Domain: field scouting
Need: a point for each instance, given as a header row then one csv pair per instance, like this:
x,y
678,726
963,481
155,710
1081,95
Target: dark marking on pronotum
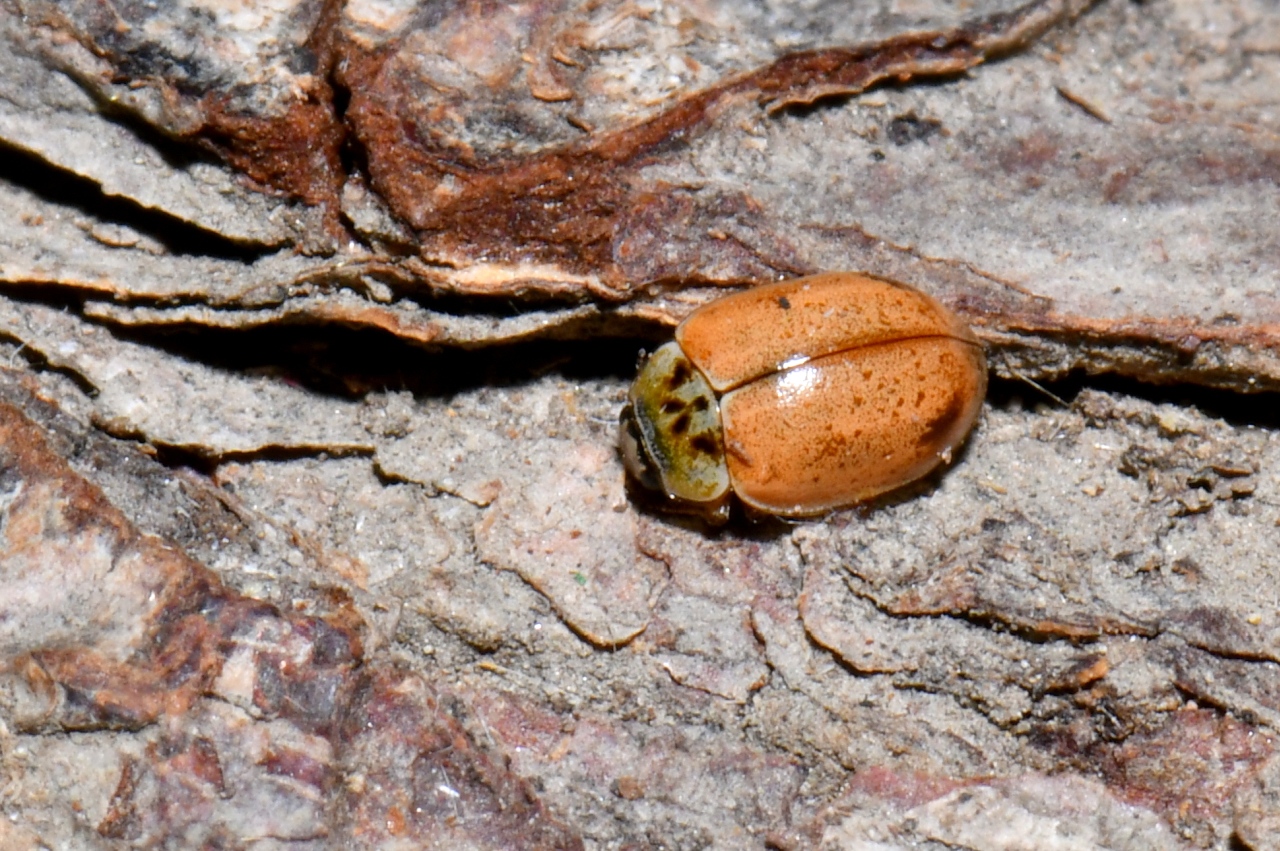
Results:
x,y
681,424
705,444
672,406
681,372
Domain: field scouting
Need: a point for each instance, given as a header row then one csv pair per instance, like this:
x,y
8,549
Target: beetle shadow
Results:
x,y
747,524
742,522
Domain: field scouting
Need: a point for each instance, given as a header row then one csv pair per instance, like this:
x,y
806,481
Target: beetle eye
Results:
x,y
635,456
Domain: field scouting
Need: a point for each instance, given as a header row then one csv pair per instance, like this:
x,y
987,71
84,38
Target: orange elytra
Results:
x,y
802,397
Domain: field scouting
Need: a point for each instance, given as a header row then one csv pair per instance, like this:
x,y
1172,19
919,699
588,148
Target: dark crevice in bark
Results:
x,y
1258,410
178,237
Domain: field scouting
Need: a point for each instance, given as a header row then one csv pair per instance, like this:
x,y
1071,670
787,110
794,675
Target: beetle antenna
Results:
x,y
1031,381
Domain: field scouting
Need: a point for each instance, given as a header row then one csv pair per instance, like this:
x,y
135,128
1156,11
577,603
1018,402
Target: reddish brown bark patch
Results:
x,y
296,153
563,205
424,779
1189,769
258,97
246,716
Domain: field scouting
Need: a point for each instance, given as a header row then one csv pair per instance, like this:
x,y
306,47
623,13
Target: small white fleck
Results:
x,y
793,361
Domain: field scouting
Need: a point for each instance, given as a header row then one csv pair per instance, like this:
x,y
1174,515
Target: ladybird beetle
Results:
x,y
802,397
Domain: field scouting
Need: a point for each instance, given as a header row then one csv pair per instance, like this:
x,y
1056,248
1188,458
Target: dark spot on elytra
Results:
x,y
705,443
784,302
942,423
680,374
833,447
681,424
